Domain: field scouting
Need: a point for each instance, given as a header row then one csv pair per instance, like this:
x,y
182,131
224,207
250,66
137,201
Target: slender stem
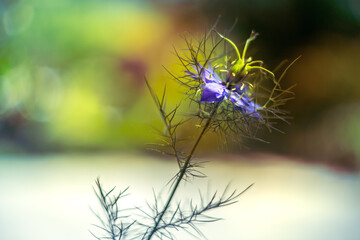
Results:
x,y
182,173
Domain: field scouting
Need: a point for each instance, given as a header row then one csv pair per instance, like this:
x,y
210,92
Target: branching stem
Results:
x,y
182,173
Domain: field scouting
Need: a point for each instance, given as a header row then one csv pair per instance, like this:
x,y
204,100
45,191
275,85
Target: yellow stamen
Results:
x,y
242,86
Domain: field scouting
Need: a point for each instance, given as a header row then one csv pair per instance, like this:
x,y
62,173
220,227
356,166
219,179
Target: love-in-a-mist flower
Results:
x,y
237,93
215,90
231,83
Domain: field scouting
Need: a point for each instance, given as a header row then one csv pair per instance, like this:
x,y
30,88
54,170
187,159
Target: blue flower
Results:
x,y
215,90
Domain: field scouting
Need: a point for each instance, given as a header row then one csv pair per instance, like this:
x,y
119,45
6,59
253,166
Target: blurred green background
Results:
x,y
74,106
72,72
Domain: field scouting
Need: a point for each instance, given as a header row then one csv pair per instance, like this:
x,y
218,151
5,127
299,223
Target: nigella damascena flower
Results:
x,y
214,90
238,94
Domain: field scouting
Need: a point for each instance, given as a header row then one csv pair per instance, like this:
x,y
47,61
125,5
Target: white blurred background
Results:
x,y
50,197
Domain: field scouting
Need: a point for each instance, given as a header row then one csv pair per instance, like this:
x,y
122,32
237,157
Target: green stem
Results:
x,y
182,173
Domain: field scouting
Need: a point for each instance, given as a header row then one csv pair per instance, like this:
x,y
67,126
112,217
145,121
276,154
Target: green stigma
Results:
x,y
242,66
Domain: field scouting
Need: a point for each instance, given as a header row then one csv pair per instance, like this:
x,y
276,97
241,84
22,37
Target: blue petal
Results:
x,y
213,92
245,105
239,90
209,76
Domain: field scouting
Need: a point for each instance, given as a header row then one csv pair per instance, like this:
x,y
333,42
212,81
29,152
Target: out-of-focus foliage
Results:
x,y
71,72
77,68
